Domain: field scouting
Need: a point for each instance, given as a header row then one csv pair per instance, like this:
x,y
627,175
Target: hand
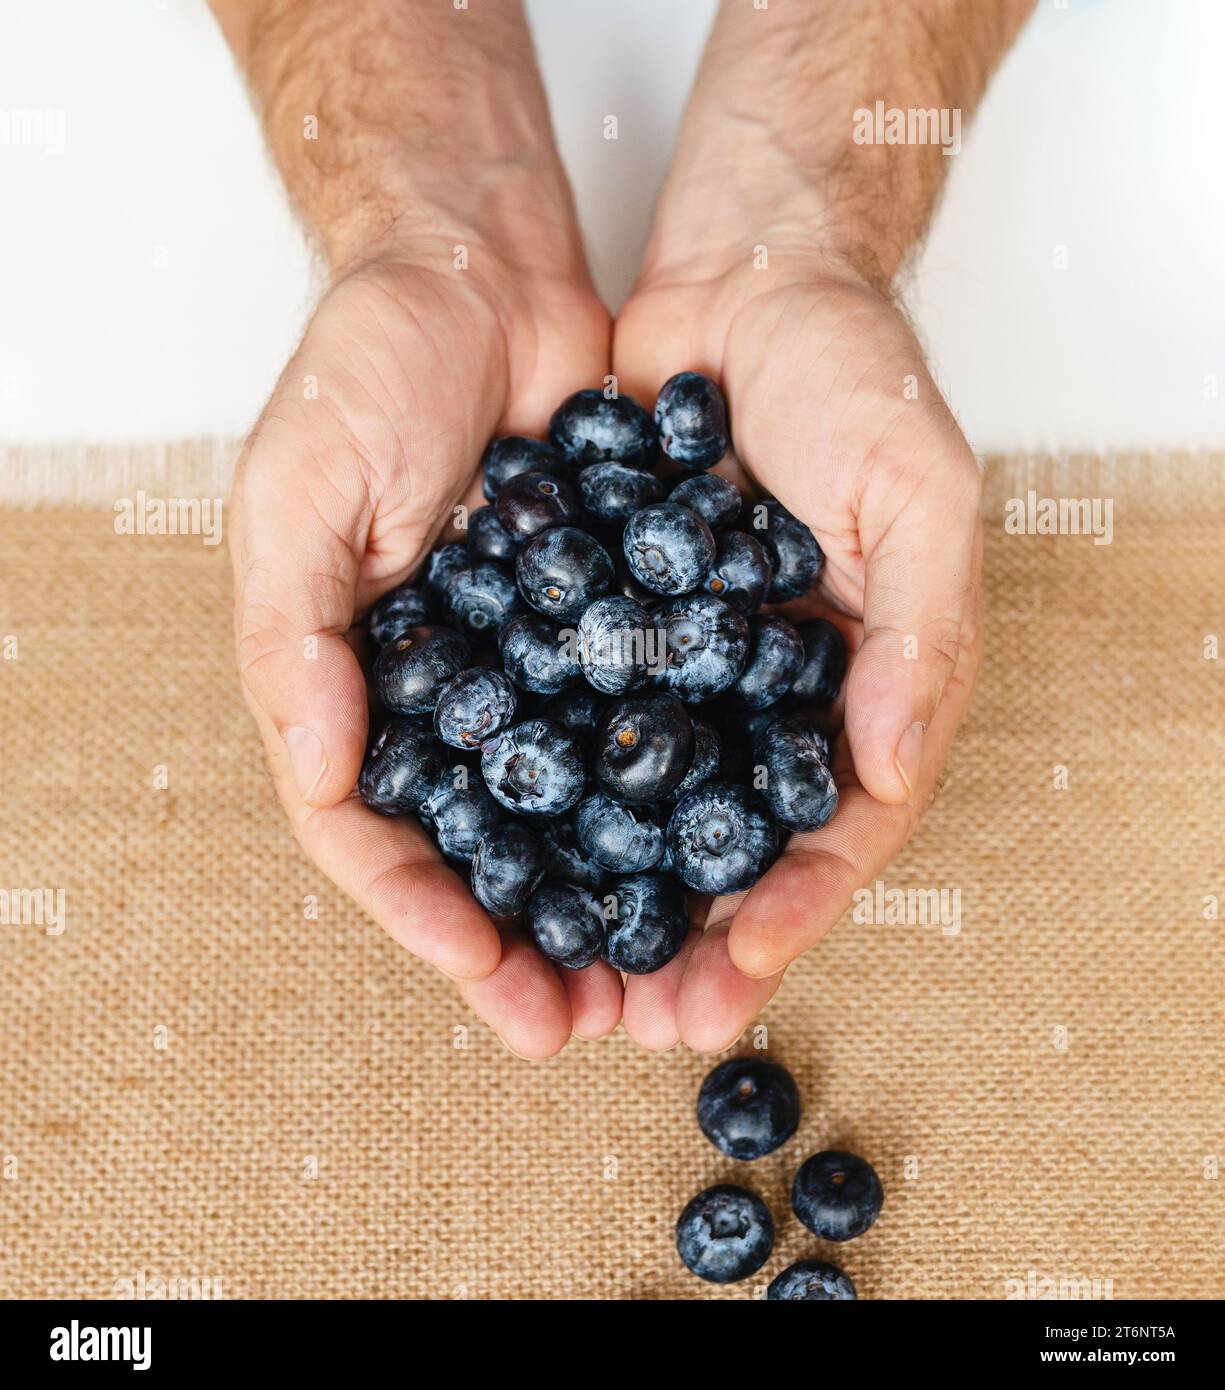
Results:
x,y
373,434
833,412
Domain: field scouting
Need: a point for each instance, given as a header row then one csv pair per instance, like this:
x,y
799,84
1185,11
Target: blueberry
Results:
x,y
488,539
665,863
836,1195
811,1281
532,502
561,571
798,785
748,1107
507,864
511,455
668,548
643,748
589,427
741,573
400,768
565,857
714,499
673,475
793,548
398,610
443,563
578,712
725,1234
613,492
622,839
480,598
474,706
537,656
707,756
776,654
534,768
706,644
461,811
755,724
820,677
616,644
649,924
691,416
410,672
567,925
722,839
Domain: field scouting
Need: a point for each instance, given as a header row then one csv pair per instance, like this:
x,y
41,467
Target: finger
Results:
x,y
649,1008
595,995
523,1001
919,527
569,352
295,564
389,866
805,893
716,1002
649,347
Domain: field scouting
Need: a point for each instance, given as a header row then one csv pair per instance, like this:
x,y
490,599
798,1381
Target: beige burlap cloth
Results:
x,y
197,1082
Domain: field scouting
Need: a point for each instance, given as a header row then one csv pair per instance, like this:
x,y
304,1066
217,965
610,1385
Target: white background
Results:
x,y
152,280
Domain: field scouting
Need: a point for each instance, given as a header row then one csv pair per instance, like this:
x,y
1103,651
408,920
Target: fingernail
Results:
x,y
909,752
521,1056
305,757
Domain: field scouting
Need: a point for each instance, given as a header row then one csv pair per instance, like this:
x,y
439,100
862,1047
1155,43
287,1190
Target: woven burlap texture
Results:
x,y
197,1081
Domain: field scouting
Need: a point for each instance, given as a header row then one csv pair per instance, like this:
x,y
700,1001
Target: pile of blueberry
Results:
x,y
585,703
747,1108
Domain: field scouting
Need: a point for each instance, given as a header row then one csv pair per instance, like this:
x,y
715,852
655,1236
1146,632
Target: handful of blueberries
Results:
x,y
747,1108
586,706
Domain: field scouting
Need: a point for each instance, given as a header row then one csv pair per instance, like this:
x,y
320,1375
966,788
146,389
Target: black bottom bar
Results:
x,y
313,1339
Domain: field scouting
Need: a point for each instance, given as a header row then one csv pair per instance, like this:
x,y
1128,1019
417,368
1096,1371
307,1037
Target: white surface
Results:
x,y
152,280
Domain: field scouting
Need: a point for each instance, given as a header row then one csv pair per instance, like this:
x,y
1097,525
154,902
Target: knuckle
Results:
x,y
942,640
261,640
267,630
383,887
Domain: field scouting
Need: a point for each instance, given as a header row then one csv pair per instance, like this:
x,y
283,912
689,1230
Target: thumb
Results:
x,y
918,601
296,565
648,348
918,597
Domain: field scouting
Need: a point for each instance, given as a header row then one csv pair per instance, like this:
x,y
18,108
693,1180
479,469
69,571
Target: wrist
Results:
x,y
778,233
404,126
488,220
773,150
741,195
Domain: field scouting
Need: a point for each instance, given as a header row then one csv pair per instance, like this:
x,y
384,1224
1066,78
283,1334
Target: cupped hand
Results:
x,y
833,412
373,434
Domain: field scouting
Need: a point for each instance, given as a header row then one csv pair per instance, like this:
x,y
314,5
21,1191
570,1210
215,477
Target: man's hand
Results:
x,y
775,244
834,414
418,354
338,498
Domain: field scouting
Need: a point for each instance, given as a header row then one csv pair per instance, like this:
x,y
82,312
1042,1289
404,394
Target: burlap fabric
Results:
x,y
197,1082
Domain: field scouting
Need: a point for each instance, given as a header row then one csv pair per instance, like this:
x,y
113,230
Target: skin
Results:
x,y
433,133
814,358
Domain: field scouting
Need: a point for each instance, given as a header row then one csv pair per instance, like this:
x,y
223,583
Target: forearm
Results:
x,y
399,122
770,136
